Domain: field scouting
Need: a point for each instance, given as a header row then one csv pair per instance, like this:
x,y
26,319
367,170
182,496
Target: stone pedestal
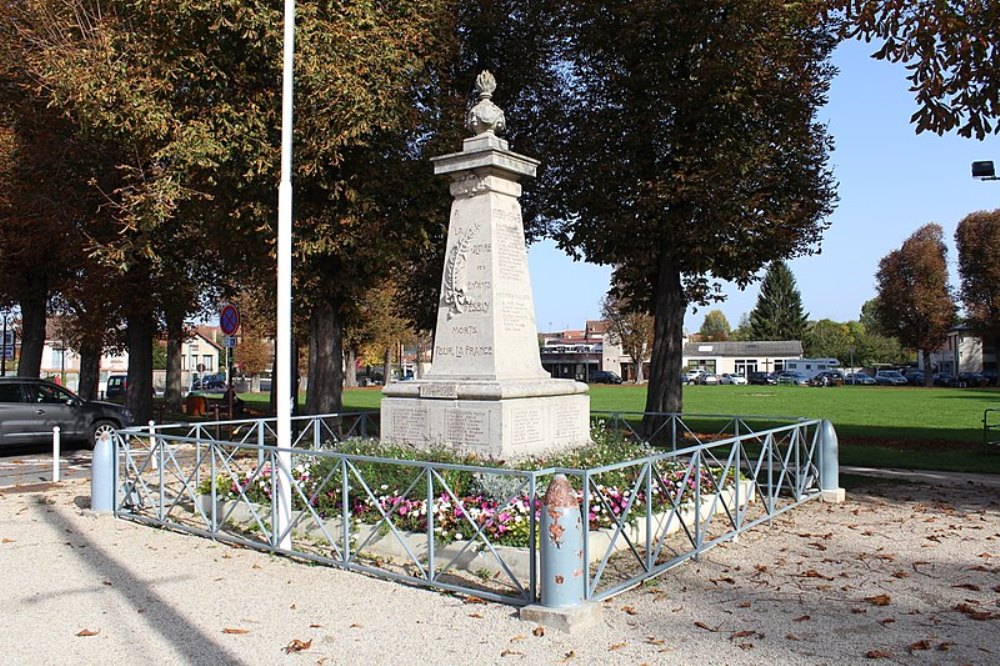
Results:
x,y
486,391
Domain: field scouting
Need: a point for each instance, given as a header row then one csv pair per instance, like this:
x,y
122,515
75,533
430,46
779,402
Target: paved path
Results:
x,y
927,476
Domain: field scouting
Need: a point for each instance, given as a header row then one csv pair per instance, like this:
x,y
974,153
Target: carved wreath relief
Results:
x,y
456,276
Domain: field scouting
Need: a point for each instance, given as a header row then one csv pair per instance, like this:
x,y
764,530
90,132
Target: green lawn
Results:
x,y
915,428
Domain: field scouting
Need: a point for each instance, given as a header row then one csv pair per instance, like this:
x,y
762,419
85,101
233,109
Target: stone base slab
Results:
x,y
507,429
835,496
571,620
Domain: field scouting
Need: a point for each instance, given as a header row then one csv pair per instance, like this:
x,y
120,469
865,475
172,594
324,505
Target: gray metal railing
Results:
x,y
641,516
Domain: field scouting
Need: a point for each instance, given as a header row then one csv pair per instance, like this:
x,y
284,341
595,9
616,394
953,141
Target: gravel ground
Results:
x,y
901,572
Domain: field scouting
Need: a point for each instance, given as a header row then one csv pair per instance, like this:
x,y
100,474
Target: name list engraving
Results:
x,y
409,424
467,427
526,427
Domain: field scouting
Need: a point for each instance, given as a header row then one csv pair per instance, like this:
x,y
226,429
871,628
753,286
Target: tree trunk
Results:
x,y
351,368
324,388
33,301
387,365
663,395
175,341
139,337
638,371
90,370
928,373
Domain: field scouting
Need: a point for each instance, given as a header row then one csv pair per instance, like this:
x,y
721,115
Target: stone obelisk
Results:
x,y
486,392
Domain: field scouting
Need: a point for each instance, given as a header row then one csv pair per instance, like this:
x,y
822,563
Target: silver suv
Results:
x,y
890,378
30,408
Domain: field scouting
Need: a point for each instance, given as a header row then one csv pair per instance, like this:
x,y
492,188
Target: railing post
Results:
x,y
102,491
56,445
563,576
154,462
829,464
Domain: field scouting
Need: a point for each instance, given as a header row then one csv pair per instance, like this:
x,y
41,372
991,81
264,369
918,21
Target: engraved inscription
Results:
x,y
515,315
439,390
467,427
511,255
409,424
462,351
526,427
567,423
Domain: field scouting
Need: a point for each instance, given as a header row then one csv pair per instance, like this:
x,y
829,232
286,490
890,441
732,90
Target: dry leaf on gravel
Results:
x,y
702,625
87,632
900,574
812,573
944,647
508,652
746,633
968,586
878,654
538,631
235,630
974,613
630,610
919,646
476,616
616,646
6,540
569,655
653,640
802,618
879,600
792,637
295,645
743,604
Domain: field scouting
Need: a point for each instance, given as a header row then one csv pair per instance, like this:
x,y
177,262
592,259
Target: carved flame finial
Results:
x,y
486,117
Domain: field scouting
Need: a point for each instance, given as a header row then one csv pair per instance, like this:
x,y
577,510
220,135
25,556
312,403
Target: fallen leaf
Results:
x,y
617,646
726,579
919,646
6,540
315,626
88,632
518,638
508,652
968,586
974,613
746,633
879,600
295,645
745,646
900,574
802,618
944,647
702,625
355,625
231,630
106,582
538,631
792,637
292,607
878,654
887,621
630,610
569,655
812,573
653,640
476,616
743,604
858,611
473,600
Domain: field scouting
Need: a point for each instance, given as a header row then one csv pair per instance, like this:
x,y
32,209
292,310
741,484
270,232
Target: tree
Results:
x,y
688,151
829,339
715,328
949,49
977,239
631,329
742,332
914,298
778,313
870,313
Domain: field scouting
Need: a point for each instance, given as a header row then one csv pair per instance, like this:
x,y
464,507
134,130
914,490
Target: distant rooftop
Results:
x,y
750,348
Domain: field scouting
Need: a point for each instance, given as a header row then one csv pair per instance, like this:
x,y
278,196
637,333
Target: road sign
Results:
x,y
229,319
229,341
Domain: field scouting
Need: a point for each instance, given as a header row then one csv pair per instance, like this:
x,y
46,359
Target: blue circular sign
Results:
x,y
229,319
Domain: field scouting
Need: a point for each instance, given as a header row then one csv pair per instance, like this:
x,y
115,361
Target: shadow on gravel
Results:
x,y
190,641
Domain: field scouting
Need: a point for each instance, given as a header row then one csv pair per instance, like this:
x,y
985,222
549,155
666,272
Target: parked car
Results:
x,y
733,379
210,383
859,378
116,387
30,408
705,377
793,378
991,376
945,379
605,377
915,377
827,378
762,378
973,379
890,378
691,376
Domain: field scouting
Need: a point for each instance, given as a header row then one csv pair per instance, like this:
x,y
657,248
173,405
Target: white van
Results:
x,y
811,366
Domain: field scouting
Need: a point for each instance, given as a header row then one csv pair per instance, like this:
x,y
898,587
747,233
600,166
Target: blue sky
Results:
x,y
891,181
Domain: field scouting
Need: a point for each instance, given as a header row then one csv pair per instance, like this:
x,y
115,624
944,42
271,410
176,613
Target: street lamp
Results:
x,y
984,170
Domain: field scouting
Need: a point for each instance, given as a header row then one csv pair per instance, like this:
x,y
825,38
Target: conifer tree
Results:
x,y
778,314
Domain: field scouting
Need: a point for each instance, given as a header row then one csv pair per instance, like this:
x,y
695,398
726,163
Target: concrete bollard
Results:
x,y
102,472
562,546
562,572
56,452
829,464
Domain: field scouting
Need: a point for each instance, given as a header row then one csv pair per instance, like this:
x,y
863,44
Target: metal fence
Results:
x,y
470,529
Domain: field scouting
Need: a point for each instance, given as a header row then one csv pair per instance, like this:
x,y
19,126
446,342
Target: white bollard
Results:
x,y
154,462
56,445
